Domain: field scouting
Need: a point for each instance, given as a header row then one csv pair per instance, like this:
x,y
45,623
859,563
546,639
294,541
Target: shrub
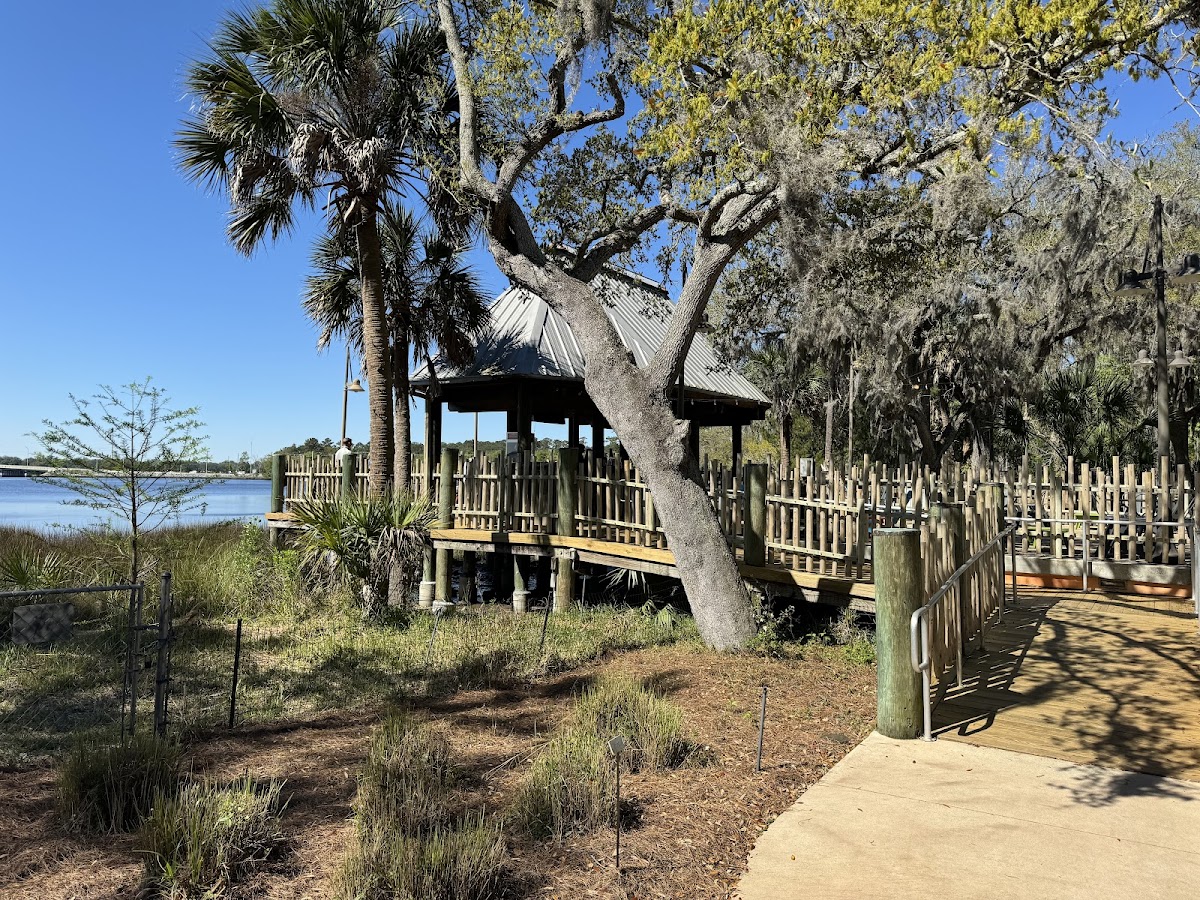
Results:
x,y
112,788
405,784
652,727
460,862
209,836
408,842
570,785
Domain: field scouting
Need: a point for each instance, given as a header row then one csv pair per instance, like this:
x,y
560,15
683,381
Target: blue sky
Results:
x,y
112,267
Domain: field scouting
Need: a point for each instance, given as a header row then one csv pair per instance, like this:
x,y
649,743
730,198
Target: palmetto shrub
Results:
x,y
111,788
363,540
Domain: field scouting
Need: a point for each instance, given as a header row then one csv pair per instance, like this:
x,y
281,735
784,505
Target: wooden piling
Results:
x,y
896,557
278,476
754,515
467,579
568,494
348,470
445,558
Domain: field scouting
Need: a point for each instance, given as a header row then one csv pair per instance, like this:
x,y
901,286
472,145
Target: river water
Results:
x,y
30,504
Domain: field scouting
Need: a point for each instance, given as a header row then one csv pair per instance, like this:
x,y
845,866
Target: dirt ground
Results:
x,y
692,828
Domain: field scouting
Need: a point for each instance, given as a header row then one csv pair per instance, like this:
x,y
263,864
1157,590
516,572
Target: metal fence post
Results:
x,y
237,662
162,676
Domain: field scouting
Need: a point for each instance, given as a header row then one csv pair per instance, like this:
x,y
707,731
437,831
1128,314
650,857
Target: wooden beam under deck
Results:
x,y
807,586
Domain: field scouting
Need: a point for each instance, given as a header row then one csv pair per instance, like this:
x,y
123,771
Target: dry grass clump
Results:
x,y
409,840
209,836
111,788
571,783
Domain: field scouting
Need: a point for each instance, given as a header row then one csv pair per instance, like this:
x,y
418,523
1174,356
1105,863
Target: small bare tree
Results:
x,y
119,455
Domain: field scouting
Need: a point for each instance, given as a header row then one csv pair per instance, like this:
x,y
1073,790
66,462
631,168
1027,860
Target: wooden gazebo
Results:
x,y
531,368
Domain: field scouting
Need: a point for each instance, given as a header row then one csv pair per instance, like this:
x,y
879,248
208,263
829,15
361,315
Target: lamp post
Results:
x,y
347,387
1155,282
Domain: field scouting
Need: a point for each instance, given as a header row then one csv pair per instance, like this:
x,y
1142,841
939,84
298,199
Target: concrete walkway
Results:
x,y
901,819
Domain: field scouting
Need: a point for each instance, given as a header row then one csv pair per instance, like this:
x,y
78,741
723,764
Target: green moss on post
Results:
x,y
896,557
754,515
445,559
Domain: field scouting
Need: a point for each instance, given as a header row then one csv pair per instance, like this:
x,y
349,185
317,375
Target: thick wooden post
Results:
x,y
466,578
431,452
278,478
445,558
520,594
897,561
348,468
736,433
754,515
597,438
568,496
572,431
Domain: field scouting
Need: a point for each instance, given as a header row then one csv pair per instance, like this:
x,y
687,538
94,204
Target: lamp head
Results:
x,y
1179,361
1134,284
1189,272
355,387
1143,361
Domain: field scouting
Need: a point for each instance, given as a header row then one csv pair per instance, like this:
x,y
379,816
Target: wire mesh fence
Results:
x,y
82,663
70,664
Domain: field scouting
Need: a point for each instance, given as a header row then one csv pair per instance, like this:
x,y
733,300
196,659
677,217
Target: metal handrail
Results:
x,y
918,626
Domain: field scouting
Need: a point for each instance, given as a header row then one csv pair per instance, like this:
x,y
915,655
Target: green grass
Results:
x,y
112,788
201,841
410,840
306,649
570,785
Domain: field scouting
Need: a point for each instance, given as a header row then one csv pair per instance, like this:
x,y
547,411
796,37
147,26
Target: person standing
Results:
x,y
343,452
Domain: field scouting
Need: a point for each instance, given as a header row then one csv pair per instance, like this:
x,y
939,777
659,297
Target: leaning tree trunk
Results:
x,y
376,355
657,444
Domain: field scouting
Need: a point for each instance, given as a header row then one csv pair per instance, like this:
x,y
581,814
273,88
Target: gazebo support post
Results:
x,y
736,434
572,432
694,441
432,454
597,438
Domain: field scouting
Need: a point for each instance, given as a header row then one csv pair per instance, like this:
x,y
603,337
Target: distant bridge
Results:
x,y
30,471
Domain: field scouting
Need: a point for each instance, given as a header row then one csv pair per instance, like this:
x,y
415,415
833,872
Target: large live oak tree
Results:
x,y
618,129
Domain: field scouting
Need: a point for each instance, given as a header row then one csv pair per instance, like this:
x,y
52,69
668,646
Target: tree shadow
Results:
x,y
1099,680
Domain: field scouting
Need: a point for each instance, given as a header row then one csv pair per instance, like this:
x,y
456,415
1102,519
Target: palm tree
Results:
x,y
303,99
433,299
363,541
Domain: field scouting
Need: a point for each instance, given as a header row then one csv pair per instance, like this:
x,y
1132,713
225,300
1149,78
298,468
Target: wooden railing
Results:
x,y
816,521
954,536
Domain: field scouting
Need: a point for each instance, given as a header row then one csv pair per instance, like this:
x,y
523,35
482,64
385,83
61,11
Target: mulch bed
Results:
x,y
693,827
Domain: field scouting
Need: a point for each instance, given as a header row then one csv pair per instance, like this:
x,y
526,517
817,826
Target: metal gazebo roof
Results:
x,y
530,340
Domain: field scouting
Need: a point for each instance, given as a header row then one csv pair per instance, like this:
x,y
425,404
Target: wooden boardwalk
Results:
x,y
1105,679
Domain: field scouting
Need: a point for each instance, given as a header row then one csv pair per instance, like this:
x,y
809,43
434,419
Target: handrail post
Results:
x,y
898,595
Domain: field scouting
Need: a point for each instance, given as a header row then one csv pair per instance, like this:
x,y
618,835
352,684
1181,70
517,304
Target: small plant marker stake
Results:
x,y
615,746
237,661
762,721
